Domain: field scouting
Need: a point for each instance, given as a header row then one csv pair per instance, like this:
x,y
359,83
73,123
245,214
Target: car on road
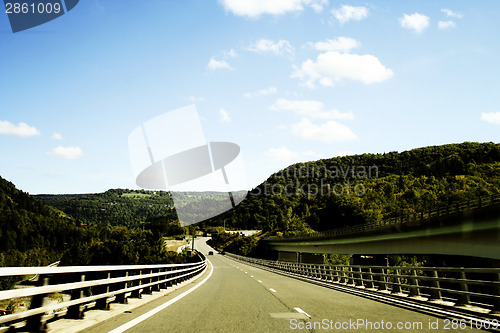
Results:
x,y
210,253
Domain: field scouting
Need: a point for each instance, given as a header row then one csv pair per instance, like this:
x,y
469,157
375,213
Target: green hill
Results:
x,y
34,234
349,190
31,233
115,207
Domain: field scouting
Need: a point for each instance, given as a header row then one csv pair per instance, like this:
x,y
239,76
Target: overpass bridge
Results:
x,y
470,228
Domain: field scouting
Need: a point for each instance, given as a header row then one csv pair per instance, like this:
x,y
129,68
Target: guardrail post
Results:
x,y
329,276
360,282
76,311
382,280
345,275
170,275
435,293
335,274
370,279
158,285
351,276
37,323
148,290
496,301
162,285
414,289
396,289
463,298
123,297
137,293
103,303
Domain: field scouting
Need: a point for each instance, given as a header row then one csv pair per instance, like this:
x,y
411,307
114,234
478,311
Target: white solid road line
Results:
x,y
148,314
299,310
272,290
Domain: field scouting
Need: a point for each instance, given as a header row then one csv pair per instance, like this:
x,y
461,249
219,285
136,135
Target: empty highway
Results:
x,y
236,297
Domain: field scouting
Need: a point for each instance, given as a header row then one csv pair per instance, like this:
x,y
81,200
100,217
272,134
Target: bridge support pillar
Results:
x,y
289,256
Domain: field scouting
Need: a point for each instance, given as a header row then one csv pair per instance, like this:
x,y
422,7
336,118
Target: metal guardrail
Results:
x,y
415,219
465,287
88,287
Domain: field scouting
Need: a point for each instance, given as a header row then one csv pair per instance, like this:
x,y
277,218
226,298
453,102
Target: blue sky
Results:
x,y
288,81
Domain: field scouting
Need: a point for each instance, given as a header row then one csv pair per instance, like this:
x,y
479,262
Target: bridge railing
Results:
x,y
421,218
465,287
83,287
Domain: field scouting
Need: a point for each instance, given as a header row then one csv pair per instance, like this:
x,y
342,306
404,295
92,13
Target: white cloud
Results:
x,y
416,22
262,92
70,153
21,130
348,13
330,131
268,46
57,136
443,25
317,5
450,13
255,8
216,64
282,154
310,109
224,116
340,44
491,117
333,67
230,54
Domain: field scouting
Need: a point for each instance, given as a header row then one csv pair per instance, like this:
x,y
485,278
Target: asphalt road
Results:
x,y
241,298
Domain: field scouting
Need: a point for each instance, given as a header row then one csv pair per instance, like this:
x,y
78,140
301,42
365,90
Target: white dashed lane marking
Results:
x,y
299,310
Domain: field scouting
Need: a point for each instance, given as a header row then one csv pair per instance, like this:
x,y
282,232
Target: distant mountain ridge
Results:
x,y
328,194
115,207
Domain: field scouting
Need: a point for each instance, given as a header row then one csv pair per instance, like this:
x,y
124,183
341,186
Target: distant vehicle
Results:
x,y
210,253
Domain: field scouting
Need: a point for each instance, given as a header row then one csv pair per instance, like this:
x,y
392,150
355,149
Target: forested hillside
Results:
x,y
115,207
341,191
30,232
34,234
